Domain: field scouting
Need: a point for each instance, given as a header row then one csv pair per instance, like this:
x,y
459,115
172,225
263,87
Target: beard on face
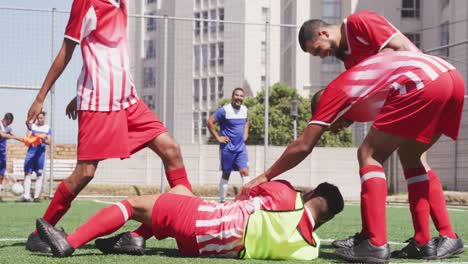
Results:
x,y
339,52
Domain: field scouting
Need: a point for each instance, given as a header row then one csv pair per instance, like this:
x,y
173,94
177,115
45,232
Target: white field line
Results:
x,y
463,209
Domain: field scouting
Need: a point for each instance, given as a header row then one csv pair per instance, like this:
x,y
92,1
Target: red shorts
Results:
x,y
421,114
116,134
175,216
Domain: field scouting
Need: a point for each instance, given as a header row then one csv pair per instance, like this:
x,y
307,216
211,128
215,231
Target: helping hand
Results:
x,y
245,192
34,111
71,111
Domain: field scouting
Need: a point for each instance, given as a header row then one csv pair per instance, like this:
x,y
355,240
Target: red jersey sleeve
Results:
x,y
333,103
371,29
277,195
75,22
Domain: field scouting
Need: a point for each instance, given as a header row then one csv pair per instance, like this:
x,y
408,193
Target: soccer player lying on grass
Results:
x,y
413,99
281,218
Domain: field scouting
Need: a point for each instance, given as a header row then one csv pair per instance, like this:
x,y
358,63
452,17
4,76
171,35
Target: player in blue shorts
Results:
x,y
35,158
5,134
234,131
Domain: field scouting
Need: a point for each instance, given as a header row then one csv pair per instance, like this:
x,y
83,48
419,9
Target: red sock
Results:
x,y
143,231
104,222
439,212
418,196
59,205
178,177
373,198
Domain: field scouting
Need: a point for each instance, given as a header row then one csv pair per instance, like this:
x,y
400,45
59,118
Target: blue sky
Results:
x,y
26,57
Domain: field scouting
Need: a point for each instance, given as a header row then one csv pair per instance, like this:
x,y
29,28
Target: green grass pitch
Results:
x,y
17,220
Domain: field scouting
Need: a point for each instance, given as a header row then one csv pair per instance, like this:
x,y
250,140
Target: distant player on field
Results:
x,y
112,121
234,131
359,36
413,99
35,158
275,223
5,134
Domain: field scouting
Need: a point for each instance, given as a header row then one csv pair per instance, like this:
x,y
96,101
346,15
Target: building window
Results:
x,y
196,92
205,56
149,78
151,23
213,20
197,4
221,53
444,39
197,24
415,38
221,18
149,101
196,57
205,22
265,11
220,87
204,123
410,8
196,124
212,55
330,60
204,90
151,1
150,49
213,89
331,11
263,81
263,53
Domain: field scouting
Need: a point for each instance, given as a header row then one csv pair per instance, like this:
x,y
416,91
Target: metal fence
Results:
x,y
182,67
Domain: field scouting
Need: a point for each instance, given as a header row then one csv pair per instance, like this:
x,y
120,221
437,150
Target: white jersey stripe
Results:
x,y
214,222
221,235
220,247
366,75
412,76
445,63
414,63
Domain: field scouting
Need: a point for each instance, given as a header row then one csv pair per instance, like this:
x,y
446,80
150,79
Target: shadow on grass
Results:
x,y
168,252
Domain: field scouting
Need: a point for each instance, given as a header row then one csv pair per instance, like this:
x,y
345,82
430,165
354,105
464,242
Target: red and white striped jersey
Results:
x,y
220,227
105,83
367,33
360,92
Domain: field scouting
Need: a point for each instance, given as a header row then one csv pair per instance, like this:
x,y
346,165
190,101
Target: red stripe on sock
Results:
x,y
104,222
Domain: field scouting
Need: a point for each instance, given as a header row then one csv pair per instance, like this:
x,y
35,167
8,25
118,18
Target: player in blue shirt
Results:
x,y
234,131
35,158
5,134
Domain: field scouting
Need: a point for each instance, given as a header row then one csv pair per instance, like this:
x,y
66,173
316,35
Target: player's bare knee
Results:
x,y
172,151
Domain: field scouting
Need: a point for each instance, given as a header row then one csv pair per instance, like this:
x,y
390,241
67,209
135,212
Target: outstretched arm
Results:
x,y
61,60
294,154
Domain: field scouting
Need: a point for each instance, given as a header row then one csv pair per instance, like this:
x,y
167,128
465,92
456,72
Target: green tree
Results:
x,y
280,129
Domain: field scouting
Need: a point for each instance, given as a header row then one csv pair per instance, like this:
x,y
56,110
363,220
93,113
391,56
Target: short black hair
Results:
x,y
309,30
237,89
9,116
332,195
42,113
315,100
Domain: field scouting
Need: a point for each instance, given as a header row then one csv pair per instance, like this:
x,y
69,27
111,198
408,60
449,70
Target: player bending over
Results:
x,y
283,219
